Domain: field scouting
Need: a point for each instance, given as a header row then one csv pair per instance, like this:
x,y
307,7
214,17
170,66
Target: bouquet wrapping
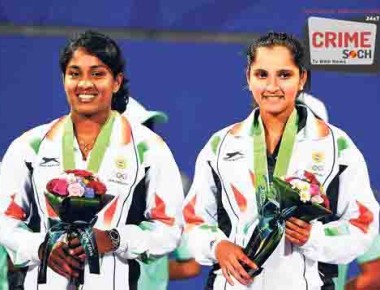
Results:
x,y
299,196
75,198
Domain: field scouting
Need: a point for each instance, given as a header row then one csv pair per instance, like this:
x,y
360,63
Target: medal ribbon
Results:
x,y
97,153
263,186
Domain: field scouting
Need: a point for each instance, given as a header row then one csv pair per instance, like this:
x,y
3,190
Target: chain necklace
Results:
x,y
86,146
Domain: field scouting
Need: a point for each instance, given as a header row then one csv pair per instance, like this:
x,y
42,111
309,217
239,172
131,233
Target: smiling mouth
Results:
x,y
85,98
273,96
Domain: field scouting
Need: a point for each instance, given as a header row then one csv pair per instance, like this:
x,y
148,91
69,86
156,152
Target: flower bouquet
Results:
x,y
299,196
74,199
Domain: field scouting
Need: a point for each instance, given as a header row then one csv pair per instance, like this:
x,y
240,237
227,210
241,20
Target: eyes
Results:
x,y
94,74
72,74
282,74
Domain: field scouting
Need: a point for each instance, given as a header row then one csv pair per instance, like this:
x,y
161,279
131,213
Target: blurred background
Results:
x,y
186,58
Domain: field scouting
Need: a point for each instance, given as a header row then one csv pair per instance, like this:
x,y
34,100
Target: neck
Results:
x,y
87,129
88,126
274,126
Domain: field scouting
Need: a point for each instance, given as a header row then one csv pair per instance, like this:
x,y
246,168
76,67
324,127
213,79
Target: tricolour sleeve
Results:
x,y
372,254
341,241
182,252
15,202
160,233
200,210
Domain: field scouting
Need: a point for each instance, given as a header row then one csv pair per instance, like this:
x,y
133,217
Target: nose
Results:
x,y
85,84
272,85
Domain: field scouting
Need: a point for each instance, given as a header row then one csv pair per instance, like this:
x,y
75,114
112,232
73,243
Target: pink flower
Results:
x,y
58,187
317,199
75,189
314,189
50,185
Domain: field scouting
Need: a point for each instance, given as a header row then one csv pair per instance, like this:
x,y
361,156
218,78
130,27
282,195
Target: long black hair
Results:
x,y
108,52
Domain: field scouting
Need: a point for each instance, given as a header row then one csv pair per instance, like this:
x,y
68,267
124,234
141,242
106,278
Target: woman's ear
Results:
x,y
248,77
303,80
118,82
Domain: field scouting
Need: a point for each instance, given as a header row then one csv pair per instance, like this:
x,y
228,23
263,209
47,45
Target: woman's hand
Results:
x,y
230,258
297,231
76,249
67,260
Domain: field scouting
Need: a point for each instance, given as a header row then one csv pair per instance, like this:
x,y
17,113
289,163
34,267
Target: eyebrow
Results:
x,y
279,71
287,71
92,67
260,70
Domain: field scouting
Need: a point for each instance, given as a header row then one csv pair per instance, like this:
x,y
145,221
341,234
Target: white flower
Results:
x,y
63,175
305,195
71,178
303,186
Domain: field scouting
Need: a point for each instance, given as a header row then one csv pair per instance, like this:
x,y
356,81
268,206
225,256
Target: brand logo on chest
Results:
x,y
233,156
49,162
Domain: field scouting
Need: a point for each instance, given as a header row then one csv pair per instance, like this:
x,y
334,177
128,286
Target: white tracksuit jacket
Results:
x,y
138,169
222,204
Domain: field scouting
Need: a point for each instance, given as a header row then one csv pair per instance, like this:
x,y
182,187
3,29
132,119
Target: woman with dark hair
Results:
x,y
108,52
138,169
234,174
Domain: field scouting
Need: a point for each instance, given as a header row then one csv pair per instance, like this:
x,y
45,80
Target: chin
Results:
x,y
273,110
87,111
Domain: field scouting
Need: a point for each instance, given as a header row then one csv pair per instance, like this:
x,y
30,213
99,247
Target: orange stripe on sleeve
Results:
x,y
240,199
110,212
364,220
189,213
15,211
159,212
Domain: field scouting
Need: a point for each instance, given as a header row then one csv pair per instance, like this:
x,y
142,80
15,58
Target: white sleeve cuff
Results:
x,y
133,241
313,245
27,252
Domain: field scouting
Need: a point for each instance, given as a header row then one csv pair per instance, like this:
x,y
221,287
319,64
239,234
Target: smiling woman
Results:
x,y
275,80
93,138
92,68
89,84
231,198
104,60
